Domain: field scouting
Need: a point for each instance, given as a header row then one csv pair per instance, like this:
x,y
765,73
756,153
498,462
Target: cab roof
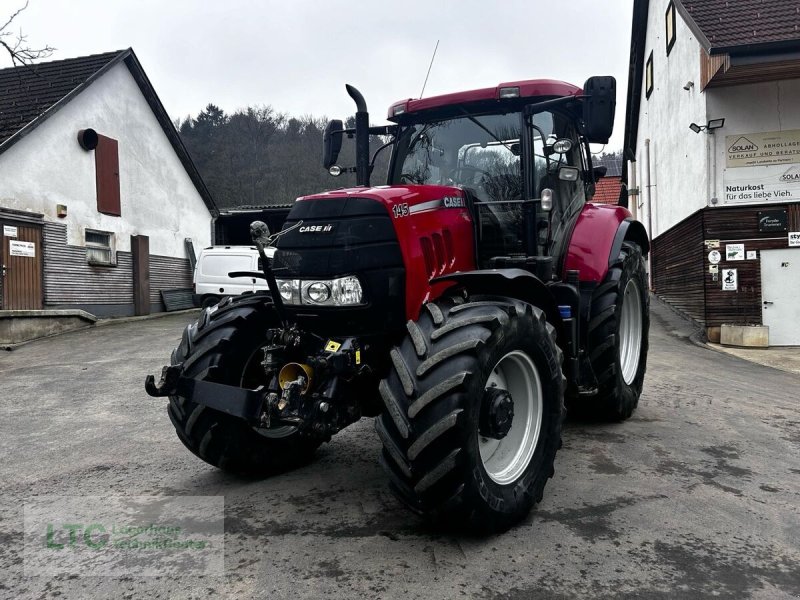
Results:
x,y
528,88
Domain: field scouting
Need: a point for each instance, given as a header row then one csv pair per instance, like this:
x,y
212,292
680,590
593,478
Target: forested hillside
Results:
x,y
259,157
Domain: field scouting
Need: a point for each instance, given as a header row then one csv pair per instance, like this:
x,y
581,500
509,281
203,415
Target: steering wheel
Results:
x,y
457,175
409,178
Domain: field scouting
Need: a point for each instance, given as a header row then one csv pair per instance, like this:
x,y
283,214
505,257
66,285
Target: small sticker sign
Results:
x,y
9,231
713,269
730,280
27,249
712,244
714,257
794,238
734,251
752,254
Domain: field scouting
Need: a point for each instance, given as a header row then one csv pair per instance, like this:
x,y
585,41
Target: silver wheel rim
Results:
x,y
506,459
630,332
271,432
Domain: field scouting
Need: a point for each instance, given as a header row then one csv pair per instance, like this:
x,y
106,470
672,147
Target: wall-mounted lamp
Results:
x,y
689,85
709,127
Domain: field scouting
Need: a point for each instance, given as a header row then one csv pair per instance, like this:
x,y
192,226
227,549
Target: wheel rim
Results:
x,y
630,332
506,459
252,376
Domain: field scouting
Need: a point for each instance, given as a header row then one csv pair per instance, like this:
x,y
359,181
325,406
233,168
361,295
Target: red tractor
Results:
x,y
460,304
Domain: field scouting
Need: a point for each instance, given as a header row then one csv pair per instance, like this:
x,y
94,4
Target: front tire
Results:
x,y
617,336
224,346
442,460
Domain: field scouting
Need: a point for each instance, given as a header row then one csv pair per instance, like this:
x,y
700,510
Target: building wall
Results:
x,y
753,108
158,198
674,181
677,265
106,291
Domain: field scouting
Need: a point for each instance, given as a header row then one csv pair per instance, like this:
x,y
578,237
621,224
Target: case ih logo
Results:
x,y
454,202
791,176
742,145
316,229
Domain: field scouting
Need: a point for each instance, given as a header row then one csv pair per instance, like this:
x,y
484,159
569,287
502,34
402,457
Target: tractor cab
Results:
x,y
519,152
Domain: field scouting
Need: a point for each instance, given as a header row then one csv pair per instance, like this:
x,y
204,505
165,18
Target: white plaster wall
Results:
x,y
678,157
158,199
753,108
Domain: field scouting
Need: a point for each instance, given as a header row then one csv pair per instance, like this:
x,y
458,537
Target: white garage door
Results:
x,y
780,295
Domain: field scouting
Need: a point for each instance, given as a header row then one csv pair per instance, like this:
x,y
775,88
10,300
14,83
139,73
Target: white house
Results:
x,y
713,147
98,196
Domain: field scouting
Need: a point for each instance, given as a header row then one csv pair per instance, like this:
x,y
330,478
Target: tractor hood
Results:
x,y
401,200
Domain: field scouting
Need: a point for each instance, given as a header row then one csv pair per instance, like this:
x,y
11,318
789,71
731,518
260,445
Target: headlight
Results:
x,y
344,291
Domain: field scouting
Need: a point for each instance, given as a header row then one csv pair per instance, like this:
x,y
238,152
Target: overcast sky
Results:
x,y
296,55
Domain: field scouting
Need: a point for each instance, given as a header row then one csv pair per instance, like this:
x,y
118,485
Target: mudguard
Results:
x,y
514,283
597,240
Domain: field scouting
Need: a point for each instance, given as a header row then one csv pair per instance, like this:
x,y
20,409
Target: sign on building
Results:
x,y
9,231
769,183
734,252
730,280
773,220
766,148
22,248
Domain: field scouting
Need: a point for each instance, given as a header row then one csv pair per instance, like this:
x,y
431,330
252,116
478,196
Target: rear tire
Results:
x,y
437,461
223,346
617,336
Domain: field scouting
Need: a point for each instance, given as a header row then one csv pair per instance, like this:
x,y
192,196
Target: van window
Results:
x,y
220,266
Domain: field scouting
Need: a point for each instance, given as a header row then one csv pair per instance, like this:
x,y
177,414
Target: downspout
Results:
x,y
649,191
649,211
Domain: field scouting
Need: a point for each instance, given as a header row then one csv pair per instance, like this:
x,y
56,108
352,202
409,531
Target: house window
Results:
x,y
648,76
99,247
670,18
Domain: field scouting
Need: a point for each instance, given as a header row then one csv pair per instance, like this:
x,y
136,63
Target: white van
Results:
x,y
211,280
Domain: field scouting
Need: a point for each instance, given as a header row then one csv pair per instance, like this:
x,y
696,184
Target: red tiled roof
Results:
x,y
607,190
730,23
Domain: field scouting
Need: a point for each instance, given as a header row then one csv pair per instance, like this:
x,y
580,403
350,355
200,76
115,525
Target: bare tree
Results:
x,y
16,44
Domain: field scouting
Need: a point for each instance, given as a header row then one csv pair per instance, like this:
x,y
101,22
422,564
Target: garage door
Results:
x,y
780,290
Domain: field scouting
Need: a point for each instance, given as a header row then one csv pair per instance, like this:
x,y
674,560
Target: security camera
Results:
x,y
689,85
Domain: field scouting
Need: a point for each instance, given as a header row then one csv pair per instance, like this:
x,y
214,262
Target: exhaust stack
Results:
x,y
362,136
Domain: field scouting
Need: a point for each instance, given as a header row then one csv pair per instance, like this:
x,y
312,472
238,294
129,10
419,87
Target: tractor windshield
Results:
x,y
481,153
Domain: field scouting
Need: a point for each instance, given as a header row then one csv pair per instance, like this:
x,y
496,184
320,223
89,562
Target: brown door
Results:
x,y
21,268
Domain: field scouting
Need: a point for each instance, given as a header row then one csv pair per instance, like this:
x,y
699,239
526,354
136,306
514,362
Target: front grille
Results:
x,y
345,236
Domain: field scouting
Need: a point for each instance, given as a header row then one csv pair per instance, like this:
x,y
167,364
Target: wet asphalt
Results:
x,y
697,495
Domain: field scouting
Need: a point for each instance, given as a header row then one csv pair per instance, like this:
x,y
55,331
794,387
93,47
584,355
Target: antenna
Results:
x,y
429,69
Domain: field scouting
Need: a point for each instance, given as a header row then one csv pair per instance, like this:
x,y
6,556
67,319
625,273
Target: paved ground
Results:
x,y
782,358
698,495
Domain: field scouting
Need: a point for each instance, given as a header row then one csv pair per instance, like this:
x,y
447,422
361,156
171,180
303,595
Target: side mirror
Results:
x,y
599,172
599,108
331,142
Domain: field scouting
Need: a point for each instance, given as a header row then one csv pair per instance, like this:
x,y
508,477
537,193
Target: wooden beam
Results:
x,y
140,249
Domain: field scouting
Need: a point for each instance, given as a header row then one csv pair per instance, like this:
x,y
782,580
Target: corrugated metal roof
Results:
x,y
730,23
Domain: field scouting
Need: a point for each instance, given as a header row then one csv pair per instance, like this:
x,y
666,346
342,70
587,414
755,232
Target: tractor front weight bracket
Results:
x,y
235,401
